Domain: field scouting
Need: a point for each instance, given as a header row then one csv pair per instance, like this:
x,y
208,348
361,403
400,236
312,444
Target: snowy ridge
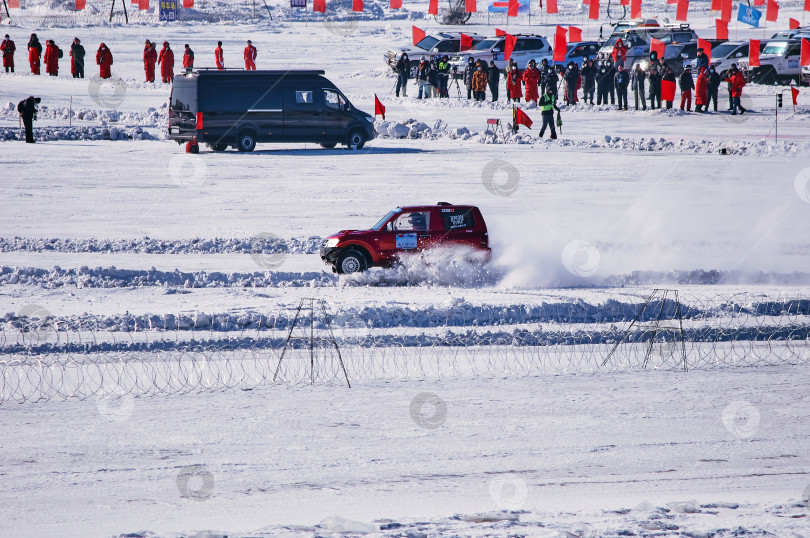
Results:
x,y
50,134
153,117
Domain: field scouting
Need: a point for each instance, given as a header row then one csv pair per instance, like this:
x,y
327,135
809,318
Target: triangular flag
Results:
x,y
672,1
418,34
512,9
625,2
574,34
706,46
667,90
509,46
658,46
725,11
469,6
717,5
560,44
395,4
722,29
319,6
807,5
682,11
635,9
522,119
793,23
499,32
805,56
466,42
14,4
551,6
188,3
357,5
772,11
794,92
379,109
143,4
753,52
593,10
80,4
433,7
759,2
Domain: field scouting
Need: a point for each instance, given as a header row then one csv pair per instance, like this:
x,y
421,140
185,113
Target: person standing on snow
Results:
x,y
219,56
28,110
104,59
188,59
469,71
480,79
51,58
166,61
543,75
493,79
637,81
513,90
619,53
588,81
686,85
702,91
34,53
444,76
77,58
548,104
150,57
669,76
654,78
422,78
552,80
621,80
8,47
250,56
713,86
402,68
531,78
730,90
433,77
602,85
736,80
572,80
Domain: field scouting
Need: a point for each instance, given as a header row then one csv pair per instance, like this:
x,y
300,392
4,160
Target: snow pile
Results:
x,y
50,134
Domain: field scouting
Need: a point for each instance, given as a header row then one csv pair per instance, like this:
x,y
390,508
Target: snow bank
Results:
x,y
50,134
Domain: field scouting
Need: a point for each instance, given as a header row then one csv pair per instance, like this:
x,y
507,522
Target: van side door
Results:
x,y
303,111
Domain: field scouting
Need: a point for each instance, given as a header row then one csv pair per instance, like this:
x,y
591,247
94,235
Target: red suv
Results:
x,y
405,230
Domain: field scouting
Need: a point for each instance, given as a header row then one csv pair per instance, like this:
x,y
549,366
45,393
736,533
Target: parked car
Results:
x,y
727,53
577,52
638,42
805,76
442,43
243,108
406,230
527,47
778,62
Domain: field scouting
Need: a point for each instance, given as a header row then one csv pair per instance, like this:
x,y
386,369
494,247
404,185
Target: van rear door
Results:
x,y
183,108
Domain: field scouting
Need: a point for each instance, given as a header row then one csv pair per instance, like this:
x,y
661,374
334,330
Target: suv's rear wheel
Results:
x,y
246,141
350,261
356,139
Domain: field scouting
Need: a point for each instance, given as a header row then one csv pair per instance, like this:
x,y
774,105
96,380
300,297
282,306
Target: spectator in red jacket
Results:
x,y
52,58
104,59
219,56
166,61
150,57
531,77
513,91
8,47
250,57
34,53
188,59
619,53
737,81
702,91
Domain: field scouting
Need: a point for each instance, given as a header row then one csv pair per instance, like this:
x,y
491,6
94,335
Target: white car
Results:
x,y
805,76
435,44
527,47
727,53
778,61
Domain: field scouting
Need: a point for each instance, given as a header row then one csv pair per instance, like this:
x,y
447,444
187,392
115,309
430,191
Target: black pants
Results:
x,y
622,97
443,79
9,69
469,92
655,97
730,99
402,84
480,96
79,72
548,120
712,98
28,122
602,95
587,94
571,92
612,95
639,92
493,89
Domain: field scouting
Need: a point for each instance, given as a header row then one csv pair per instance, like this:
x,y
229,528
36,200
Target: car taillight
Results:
x,y
199,121
485,240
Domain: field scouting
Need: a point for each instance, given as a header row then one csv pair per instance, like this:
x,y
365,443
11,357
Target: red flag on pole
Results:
x,y
188,3
466,42
469,6
793,23
522,119
807,5
80,4
682,11
794,92
379,109
658,46
722,29
551,6
143,4
559,45
512,9
499,32
14,4
319,6
433,7
706,46
667,90
759,2
418,34
625,2
717,5
509,46
357,5
635,9
805,56
395,4
574,34
672,1
593,10
753,52
772,11
725,10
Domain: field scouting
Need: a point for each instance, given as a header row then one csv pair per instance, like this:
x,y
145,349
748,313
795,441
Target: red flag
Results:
x,y
625,2
574,34
80,4
682,11
469,6
143,4
551,6
512,10
794,92
466,42
188,3
357,5
793,23
635,9
15,4
667,90
658,46
717,5
433,7
379,109
319,6
418,33
806,5
759,2
509,46
499,32
672,1
560,44
522,119
593,10
753,52
805,56
395,4
772,11
725,11
133,1
722,29
706,46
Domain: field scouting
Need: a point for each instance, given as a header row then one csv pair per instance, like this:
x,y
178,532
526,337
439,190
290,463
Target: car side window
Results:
x,y
417,221
457,220
448,46
333,99
304,97
794,49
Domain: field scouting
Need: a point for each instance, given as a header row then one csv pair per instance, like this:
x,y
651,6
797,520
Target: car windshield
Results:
x,y
775,47
377,227
486,44
427,43
724,50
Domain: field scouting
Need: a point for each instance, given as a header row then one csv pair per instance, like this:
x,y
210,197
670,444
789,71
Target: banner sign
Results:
x,y
168,10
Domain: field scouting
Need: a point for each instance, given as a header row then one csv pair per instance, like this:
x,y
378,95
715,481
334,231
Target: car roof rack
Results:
x,y
444,203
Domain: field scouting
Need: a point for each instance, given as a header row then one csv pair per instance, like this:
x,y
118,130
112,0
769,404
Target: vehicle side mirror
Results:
x,y
496,50
347,108
738,55
684,55
389,227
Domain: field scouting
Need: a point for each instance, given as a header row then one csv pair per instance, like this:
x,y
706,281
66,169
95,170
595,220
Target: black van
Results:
x,y
241,108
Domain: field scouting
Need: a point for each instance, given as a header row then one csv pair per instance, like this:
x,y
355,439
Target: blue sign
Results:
x,y
168,10
298,3
406,241
749,15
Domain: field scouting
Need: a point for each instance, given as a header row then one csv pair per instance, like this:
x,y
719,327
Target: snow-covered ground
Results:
x,y
108,227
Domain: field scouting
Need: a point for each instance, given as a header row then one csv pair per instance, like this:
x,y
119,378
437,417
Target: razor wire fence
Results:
x,y
44,358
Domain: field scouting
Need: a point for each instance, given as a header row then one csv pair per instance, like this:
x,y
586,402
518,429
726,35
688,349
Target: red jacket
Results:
x,y
702,88
737,83
619,51
166,61
513,84
219,57
8,47
51,58
149,56
250,53
188,58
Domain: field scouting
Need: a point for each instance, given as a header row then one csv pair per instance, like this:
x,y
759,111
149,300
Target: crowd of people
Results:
x,y
51,55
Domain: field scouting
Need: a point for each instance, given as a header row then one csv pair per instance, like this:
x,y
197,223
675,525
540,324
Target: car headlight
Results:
x,y
331,242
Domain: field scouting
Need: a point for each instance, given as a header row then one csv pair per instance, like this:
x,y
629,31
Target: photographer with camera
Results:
x,y
28,110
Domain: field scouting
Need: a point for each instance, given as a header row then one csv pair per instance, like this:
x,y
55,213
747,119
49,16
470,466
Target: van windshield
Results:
x,y
775,47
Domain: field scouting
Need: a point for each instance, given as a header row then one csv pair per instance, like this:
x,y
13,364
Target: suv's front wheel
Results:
x,y
356,139
246,141
350,261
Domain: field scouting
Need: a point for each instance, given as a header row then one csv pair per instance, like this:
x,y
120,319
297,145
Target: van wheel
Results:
x,y
350,261
356,139
328,145
246,142
218,147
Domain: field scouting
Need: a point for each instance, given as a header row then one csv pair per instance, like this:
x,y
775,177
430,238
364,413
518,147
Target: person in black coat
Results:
x,y
28,110
713,86
669,76
611,71
621,80
571,83
654,80
494,75
403,68
588,81
686,84
77,58
469,71
603,84
637,81
543,73
552,80
433,78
